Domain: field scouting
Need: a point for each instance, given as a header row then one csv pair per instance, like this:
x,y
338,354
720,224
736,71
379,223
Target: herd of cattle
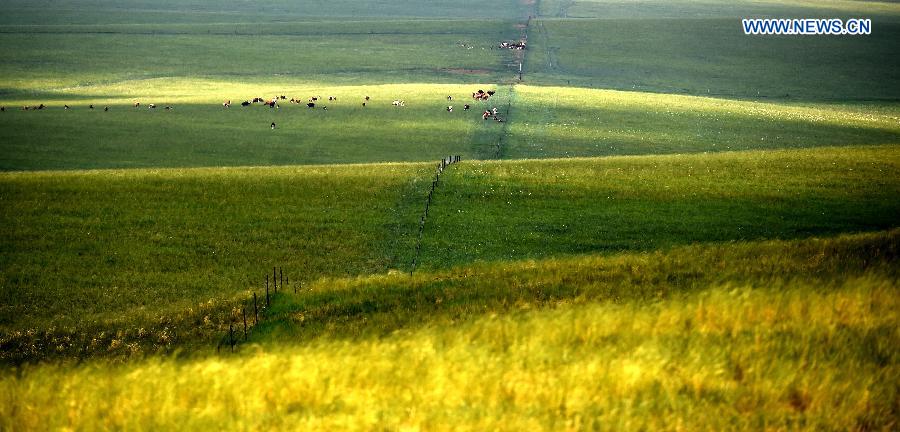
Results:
x,y
311,102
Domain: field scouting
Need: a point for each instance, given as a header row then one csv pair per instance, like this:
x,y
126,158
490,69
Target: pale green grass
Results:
x,y
567,122
200,132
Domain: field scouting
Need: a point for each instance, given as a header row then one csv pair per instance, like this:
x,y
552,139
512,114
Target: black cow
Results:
x,y
273,125
310,105
466,107
490,92
245,103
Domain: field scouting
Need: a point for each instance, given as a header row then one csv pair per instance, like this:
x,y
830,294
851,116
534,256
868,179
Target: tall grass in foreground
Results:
x,y
811,349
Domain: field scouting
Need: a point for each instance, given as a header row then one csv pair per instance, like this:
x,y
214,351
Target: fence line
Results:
x,y
239,316
443,164
279,278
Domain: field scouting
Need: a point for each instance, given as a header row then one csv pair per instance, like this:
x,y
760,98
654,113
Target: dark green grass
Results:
x,y
677,9
529,209
358,52
205,11
107,246
714,57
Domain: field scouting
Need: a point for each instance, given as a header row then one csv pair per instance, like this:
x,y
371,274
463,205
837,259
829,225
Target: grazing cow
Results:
x,y
494,111
486,114
282,97
65,107
367,98
398,103
41,106
324,108
168,108
26,108
450,108
137,104
331,98
2,109
227,104
449,97
149,106
257,99
364,104
245,103
310,105
313,99
491,92
105,109
91,106
466,107
273,125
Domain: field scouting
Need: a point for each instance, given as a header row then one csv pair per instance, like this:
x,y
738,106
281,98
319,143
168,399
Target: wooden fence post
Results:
x,y
255,310
231,334
244,315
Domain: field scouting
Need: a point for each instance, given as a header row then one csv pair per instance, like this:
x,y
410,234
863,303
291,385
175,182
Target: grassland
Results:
x,y
709,240
723,342
200,132
568,122
687,54
203,238
97,246
527,209
92,12
361,52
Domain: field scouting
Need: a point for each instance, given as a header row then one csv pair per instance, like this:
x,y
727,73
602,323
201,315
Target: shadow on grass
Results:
x,y
379,306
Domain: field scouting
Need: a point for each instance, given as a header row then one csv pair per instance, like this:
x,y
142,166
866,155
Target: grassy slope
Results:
x,y
707,337
525,209
131,246
125,239
64,12
360,52
567,122
199,132
675,51
544,122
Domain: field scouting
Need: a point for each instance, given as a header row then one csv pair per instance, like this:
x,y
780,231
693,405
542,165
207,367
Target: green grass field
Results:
x,y
694,338
675,227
